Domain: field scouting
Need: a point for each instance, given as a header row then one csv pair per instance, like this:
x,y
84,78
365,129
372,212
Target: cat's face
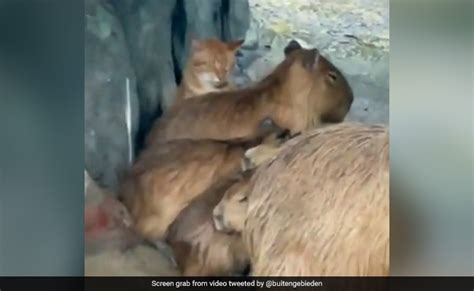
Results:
x,y
213,61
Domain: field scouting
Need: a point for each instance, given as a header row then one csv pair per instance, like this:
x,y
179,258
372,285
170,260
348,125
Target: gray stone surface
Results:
x,y
107,66
147,25
146,41
353,34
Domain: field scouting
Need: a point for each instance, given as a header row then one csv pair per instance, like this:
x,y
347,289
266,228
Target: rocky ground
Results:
x,y
353,34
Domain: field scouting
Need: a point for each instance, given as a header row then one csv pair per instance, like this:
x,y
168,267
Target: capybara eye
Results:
x,y
243,199
333,76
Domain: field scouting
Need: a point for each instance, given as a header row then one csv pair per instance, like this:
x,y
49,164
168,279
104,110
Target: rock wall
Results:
x,y
107,68
146,42
353,34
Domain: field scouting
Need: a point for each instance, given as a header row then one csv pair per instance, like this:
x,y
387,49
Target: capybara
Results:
x,y
199,249
208,69
303,91
167,176
320,208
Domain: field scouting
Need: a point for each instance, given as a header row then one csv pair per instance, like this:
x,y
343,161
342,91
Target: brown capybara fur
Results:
x,y
199,249
167,176
320,208
302,92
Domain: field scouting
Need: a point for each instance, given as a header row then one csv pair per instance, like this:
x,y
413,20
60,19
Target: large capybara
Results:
x,y
199,249
302,92
319,208
167,176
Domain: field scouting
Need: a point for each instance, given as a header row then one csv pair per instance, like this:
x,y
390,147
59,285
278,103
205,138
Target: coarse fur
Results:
x,y
302,92
168,175
208,68
320,208
200,250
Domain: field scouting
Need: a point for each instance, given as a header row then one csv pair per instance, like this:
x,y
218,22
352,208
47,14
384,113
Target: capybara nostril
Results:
x,y
218,217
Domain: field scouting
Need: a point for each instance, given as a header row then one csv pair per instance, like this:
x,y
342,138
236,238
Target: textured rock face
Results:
x,y
159,34
353,34
107,68
147,42
147,26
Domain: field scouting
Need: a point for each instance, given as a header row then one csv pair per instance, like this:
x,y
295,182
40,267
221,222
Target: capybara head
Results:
x,y
329,93
213,60
230,214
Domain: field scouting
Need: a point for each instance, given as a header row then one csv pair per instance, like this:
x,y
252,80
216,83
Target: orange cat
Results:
x,y
208,69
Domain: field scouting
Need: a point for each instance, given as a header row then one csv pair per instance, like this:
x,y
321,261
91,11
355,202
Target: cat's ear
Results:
x,y
235,45
196,44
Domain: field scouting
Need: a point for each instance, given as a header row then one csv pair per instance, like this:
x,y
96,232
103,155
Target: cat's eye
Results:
x,y
199,64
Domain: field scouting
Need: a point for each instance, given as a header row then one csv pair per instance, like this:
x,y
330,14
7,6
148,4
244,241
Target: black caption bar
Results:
x,y
237,283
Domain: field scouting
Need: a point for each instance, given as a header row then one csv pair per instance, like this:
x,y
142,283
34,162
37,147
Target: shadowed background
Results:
x,y
42,142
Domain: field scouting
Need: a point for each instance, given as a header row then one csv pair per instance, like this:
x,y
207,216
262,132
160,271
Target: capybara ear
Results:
x,y
235,45
311,59
292,45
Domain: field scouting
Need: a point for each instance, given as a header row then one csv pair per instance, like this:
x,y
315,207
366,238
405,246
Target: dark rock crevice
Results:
x,y
178,32
146,41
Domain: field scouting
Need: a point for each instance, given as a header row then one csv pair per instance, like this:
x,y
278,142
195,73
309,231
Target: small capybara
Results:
x,y
199,249
319,208
167,176
303,91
